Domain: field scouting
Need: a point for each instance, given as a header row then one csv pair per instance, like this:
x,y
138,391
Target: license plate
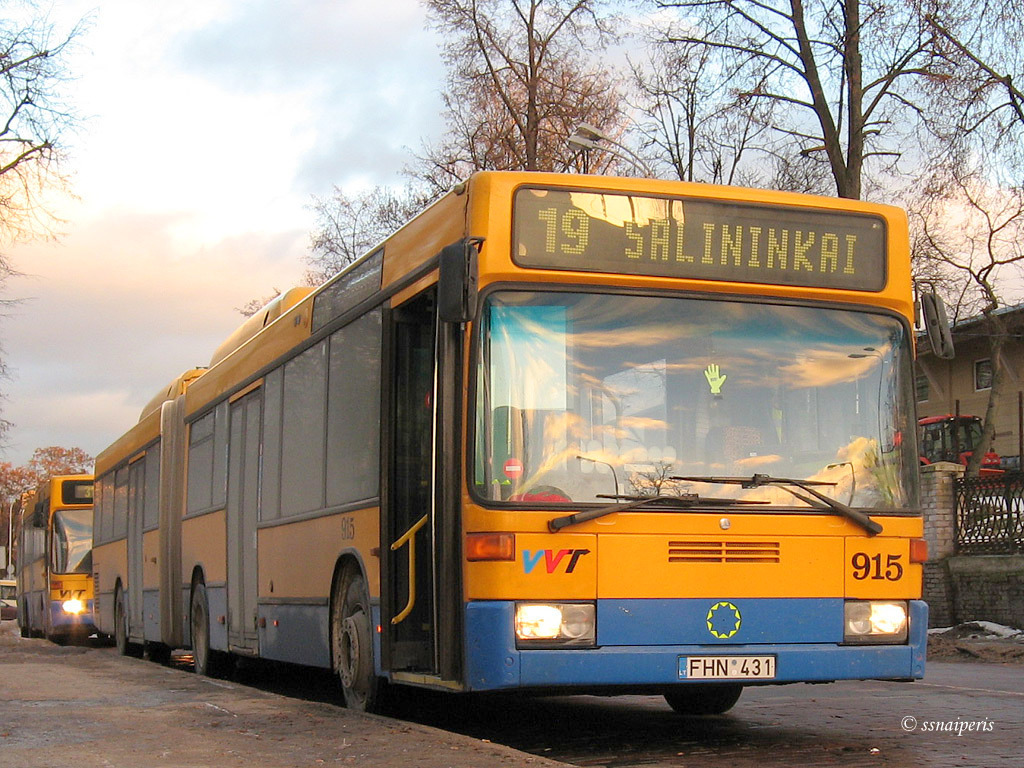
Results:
x,y
726,667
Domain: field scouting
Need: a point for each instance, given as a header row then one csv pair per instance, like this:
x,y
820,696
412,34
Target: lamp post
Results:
x,y
587,138
615,477
877,355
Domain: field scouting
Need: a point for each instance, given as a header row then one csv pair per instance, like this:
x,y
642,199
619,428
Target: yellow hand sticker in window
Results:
x,y
715,378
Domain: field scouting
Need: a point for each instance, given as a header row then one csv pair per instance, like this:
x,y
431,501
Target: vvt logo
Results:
x,y
552,559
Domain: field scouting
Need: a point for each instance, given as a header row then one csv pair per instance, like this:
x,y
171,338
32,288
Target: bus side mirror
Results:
x,y
937,326
39,516
457,281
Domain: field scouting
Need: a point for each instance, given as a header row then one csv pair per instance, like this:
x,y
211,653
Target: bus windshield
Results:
x,y
72,541
582,396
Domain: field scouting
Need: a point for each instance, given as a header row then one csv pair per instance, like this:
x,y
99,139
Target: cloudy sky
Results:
x,y
208,127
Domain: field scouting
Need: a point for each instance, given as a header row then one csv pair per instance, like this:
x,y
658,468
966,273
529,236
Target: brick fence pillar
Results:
x,y
939,503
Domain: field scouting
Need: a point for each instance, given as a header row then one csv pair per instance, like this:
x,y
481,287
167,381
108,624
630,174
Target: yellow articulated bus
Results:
x,y
55,590
137,524
563,434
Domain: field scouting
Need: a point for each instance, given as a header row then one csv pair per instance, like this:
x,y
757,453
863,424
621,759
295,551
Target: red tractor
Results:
x,y
953,438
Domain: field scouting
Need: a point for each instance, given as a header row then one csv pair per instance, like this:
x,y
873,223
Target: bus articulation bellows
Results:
x,y
557,434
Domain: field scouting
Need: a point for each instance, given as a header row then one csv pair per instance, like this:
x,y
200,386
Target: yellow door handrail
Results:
x,y
406,538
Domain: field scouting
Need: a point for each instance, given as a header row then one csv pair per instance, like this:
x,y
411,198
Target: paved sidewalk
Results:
x,y
89,707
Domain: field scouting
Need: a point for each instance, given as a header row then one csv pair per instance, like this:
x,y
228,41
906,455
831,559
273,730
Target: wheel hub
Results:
x,y
350,652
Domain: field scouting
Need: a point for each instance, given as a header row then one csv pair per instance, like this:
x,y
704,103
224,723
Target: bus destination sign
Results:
x,y
697,238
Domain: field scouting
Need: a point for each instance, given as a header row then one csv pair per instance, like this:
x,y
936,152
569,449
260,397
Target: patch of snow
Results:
x,y
980,630
999,630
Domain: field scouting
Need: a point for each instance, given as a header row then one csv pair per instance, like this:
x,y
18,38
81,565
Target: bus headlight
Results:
x,y
72,606
875,621
554,625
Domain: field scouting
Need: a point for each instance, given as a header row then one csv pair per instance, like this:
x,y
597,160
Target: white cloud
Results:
x,y
208,125
118,309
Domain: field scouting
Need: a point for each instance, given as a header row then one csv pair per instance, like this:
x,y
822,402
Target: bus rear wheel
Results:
x,y
704,698
352,644
205,661
124,646
120,623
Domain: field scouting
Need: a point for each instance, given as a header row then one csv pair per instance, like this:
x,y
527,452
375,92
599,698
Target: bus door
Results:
x,y
136,499
243,488
421,586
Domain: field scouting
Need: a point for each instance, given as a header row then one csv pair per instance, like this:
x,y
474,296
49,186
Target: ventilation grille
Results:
x,y
723,552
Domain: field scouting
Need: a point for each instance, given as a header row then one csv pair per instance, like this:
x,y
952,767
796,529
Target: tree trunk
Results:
x,y
996,339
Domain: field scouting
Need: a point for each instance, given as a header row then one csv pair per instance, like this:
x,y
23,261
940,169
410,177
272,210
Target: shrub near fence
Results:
x,y
990,514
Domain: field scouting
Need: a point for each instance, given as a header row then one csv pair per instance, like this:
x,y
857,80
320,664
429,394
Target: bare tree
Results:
x,y
971,231
34,120
252,306
840,74
350,225
692,118
521,78
655,480
968,219
976,99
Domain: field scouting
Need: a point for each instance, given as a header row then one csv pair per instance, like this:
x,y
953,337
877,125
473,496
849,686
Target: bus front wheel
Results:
x,y
352,644
704,698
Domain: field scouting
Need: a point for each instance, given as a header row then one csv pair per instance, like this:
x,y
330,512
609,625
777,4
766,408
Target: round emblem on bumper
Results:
x,y
724,620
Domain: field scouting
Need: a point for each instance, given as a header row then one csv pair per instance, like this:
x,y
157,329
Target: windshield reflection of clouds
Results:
x,y
655,387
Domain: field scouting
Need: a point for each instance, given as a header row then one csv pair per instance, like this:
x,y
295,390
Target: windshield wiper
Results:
x,y
685,501
823,501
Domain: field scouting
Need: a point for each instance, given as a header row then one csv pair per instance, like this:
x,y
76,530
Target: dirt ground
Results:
x,y
976,641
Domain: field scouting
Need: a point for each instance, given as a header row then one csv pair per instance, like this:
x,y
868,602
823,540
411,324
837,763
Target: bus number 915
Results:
x,y
865,566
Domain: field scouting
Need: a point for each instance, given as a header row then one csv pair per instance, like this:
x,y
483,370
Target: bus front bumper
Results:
x,y
63,621
802,652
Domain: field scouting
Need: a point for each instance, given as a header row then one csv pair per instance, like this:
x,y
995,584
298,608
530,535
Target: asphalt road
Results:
x,y
90,707
962,714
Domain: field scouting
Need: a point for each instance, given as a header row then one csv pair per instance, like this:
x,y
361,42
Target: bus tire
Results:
x,y
704,698
120,623
205,661
352,644
125,647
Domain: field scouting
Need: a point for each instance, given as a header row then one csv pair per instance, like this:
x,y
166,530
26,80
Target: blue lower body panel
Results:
x,y
299,634
63,623
641,642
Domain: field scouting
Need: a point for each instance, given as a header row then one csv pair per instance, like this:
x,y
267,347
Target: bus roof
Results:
x,y
147,428
483,206
50,489
171,391
260,320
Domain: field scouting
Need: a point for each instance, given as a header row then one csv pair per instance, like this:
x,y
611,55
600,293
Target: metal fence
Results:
x,y
990,514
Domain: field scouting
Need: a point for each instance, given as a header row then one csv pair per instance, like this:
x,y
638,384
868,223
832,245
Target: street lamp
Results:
x,y
615,477
587,137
